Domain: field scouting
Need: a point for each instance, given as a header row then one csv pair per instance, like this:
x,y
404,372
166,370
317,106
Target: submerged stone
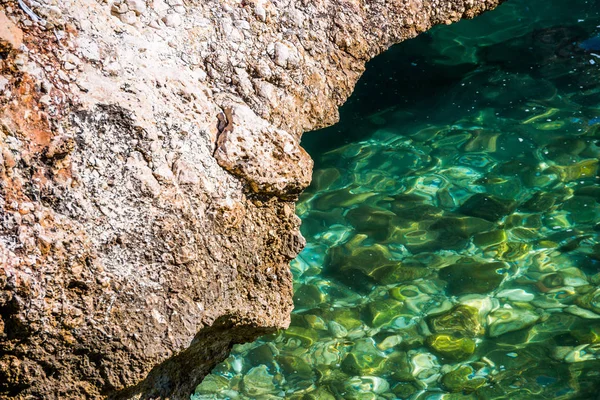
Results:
x,y
488,207
405,292
372,221
504,320
512,251
353,262
398,272
473,277
296,366
212,384
363,388
363,359
490,238
540,202
320,394
306,336
482,141
384,312
324,178
349,318
589,334
463,380
582,209
404,390
460,226
581,170
450,346
590,301
357,364
398,365
462,319
308,296
262,355
340,198
258,382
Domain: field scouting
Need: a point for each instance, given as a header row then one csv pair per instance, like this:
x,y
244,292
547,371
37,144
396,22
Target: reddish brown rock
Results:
x,y
11,36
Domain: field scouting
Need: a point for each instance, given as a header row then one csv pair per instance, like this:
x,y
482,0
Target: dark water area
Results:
x,y
452,226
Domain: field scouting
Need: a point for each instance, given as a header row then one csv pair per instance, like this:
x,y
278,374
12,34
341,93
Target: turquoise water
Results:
x,y
453,224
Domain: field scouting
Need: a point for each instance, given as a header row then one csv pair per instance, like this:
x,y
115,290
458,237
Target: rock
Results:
x,y
258,382
128,17
539,202
384,312
471,276
10,35
450,346
364,359
281,54
308,296
271,162
158,233
306,336
515,295
506,320
462,380
488,207
590,301
3,83
212,384
263,354
137,6
461,319
296,365
172,20
260,12
490,238
347,317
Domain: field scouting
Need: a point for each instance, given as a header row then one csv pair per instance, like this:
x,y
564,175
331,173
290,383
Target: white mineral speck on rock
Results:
x,y
240,23
119,8
179,9
282,54
128,18
159,6
172,20
261,13
69,66
3,83
137,6
88,49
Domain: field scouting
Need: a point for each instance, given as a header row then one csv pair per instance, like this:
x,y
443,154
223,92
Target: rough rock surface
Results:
x,y
149,161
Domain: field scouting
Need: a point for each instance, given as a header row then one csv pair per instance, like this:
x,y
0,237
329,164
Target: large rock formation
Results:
x,y
149,163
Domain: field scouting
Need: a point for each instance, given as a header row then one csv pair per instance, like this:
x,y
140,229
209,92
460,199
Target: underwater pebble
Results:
x,y
515,295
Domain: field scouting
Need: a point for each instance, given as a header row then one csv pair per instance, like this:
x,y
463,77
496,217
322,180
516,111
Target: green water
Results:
x,y
452,224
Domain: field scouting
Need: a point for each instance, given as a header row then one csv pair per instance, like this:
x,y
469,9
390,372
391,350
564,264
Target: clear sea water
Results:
x,y
453,224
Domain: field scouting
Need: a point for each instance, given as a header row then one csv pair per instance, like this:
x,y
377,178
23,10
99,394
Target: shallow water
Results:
x,y
452,224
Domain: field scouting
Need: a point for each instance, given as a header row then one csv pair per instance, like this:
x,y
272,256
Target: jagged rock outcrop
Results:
x,y
149,163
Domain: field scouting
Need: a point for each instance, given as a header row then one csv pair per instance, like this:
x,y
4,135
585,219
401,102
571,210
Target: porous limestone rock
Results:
x,y
149,163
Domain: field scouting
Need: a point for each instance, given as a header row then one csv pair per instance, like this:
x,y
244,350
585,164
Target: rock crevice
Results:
x,y
149,164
